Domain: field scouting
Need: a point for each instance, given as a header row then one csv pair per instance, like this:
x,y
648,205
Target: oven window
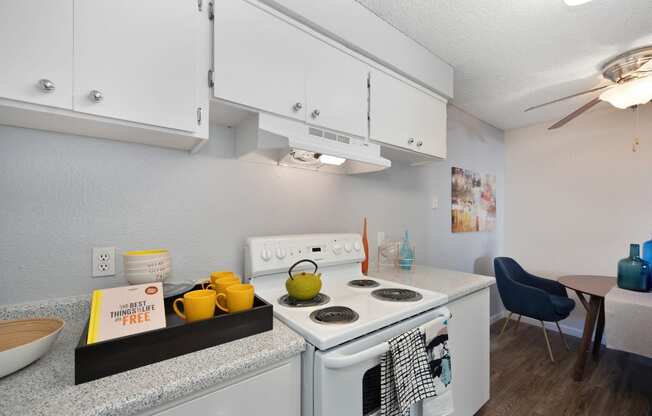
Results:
x,y
371,391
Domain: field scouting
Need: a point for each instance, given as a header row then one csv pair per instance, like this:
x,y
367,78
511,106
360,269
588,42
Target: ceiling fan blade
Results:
x,y
574,114
566,98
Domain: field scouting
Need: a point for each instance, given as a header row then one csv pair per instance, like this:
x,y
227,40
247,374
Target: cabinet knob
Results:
x,y
46,85
419,143
96,96
297,106
315,113
411,140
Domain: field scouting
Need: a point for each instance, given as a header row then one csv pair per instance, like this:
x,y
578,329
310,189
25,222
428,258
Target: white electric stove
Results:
x,y
347,325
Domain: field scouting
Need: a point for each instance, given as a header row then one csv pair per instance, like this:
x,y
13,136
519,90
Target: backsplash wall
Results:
x,y
62,195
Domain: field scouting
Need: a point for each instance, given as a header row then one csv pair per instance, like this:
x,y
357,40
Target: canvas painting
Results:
x,y
473,201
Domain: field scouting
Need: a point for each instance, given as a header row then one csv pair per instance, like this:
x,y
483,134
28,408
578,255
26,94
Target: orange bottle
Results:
x,y
365,244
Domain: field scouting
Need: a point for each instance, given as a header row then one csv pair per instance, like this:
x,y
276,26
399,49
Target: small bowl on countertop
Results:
x,y
26,340
153,277
146,255
147,266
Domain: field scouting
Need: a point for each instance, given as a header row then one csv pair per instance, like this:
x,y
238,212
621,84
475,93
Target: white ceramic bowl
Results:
x,y
138,268
145,255
24,341
141,278
165,271
150,262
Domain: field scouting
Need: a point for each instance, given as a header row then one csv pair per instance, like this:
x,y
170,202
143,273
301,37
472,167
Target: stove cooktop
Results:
x,y
351,311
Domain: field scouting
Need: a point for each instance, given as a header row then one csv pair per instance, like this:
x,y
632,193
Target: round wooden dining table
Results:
x,y
596,287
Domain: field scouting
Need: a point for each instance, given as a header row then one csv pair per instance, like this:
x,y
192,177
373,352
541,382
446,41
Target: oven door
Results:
x,y
347,377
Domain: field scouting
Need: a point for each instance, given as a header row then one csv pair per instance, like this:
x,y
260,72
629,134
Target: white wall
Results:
x,y
578,196
62,195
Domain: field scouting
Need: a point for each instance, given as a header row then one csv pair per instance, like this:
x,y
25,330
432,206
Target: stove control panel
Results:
x,y
274,254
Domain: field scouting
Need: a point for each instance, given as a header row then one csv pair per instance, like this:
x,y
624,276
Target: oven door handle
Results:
x,y
342,361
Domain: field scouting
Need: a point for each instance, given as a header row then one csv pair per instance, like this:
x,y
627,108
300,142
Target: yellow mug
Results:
x,y
215,276
238,298
197,305
221,284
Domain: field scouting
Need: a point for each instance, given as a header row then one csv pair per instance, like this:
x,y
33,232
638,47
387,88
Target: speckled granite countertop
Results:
x,y
449,282
47,386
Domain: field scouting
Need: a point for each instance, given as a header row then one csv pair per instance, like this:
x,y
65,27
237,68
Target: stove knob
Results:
x,y
337,248
357,246
280,253
347,247
266,254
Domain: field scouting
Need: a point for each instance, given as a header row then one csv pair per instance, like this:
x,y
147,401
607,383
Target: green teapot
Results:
x,y
303,286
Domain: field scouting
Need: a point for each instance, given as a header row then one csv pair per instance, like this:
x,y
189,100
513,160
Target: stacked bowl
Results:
x,y
147,266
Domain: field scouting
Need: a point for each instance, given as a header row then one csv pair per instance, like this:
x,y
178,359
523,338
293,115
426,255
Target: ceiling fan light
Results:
x,y
575,2
636,92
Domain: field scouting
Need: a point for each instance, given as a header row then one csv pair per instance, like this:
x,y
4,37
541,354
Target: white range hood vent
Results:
x,y
270,139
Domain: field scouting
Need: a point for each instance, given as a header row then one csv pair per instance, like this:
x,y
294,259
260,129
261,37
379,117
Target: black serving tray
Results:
x,y
113,356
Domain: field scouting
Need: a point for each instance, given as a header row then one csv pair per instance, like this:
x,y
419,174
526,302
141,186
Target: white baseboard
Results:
x,y
498,316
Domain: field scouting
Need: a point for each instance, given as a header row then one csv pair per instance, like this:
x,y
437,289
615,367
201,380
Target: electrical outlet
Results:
x,y
435,202
103,261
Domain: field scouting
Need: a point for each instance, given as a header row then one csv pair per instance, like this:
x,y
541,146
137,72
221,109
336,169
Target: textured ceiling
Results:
x,y
512,54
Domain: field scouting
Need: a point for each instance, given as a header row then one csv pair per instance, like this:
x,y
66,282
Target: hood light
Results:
x,y
575,2
331,160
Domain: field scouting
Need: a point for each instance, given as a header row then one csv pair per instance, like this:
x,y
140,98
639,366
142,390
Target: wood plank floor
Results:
x,y
525,382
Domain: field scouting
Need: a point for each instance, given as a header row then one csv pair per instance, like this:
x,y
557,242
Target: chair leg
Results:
x,y
545,334
518,321
506,322
563,338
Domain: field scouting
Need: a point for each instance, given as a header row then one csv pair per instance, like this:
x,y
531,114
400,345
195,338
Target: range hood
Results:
x,y
266,138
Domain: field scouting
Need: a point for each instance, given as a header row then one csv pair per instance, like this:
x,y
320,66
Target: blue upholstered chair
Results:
x,y
528,295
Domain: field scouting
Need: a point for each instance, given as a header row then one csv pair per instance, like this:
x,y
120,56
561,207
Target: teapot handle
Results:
x,y
299,262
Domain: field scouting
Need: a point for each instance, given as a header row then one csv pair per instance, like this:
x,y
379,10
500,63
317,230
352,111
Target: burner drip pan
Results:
x,y
334,315
364,283
290,302
396,295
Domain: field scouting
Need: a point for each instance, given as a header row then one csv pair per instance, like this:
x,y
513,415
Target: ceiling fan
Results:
x,y
630,84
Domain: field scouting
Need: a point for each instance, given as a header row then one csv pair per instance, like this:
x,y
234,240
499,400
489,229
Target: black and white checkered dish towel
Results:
x,y
405,374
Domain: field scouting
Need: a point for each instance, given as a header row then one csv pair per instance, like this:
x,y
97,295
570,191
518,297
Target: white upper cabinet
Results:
x,y
137,61
336,90
406,117
259,59
267,63
36,49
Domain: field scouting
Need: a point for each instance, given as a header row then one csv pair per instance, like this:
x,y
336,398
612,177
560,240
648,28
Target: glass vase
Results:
x,y
633,271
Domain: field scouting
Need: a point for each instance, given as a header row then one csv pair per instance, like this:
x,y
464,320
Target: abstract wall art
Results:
x,y
473,201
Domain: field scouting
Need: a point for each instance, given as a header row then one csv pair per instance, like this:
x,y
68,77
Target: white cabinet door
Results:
x,y
259,59
469,342
404,116
274,392
336,90
432,129
36,43
141,56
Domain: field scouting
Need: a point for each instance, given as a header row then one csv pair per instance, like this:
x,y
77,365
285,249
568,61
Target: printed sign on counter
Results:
x,y
127,310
